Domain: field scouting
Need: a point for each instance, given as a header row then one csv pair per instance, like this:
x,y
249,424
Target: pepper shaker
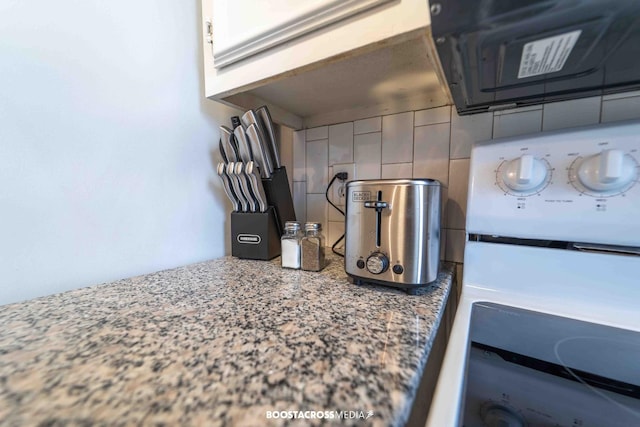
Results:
x,y
312,247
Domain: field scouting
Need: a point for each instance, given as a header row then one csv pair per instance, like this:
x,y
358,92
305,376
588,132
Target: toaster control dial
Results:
x,y
377,263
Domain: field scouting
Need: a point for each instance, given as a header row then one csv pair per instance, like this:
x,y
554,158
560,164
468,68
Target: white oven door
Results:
x,y
531,369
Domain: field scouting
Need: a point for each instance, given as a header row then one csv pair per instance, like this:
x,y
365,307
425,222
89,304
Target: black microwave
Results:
x,y
499,54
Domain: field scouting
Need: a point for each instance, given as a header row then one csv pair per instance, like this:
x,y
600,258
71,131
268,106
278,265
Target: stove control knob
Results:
x,y
377,263
608,171
525,173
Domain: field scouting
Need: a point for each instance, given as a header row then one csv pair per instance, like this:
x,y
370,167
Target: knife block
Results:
x,y
278,195
255,235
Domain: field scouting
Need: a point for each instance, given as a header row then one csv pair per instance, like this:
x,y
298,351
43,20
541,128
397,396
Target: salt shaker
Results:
x,y
312,247
290,245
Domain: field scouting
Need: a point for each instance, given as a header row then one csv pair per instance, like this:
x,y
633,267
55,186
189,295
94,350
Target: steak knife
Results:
x,y
243,145
264,117
222,153
245,186
226,183
250,118
256,185
227,144
259,151
235,184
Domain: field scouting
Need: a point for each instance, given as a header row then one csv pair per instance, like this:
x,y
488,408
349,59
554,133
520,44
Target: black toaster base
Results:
x,y
409,288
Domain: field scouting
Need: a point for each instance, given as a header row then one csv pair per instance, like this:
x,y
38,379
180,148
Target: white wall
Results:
x,y
106,144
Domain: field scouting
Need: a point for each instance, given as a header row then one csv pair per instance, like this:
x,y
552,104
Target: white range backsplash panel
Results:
x,y
560,208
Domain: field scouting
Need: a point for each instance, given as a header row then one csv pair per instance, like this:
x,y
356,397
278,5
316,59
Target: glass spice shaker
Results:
x,y
290,245
312,247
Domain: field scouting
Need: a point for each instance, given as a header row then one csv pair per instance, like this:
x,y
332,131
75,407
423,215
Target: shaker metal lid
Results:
x,y
292,225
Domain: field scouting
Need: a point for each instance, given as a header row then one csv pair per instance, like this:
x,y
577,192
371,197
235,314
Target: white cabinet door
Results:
x,y
242,28
318,61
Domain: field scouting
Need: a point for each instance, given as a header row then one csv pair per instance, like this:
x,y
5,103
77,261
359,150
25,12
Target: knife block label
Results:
x,y
252,239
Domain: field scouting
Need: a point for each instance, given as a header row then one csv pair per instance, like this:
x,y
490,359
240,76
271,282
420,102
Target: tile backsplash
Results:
x,y
434,143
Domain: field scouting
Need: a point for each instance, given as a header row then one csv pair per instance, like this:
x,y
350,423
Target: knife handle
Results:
x,y
227,144
244,149
258,151
235,183
226,184
245,185
222,153
256,184
250,118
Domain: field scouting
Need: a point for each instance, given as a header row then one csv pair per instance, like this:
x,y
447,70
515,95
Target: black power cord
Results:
x,y
342,176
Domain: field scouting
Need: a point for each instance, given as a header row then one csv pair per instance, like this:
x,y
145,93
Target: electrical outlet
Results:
x,y
339,188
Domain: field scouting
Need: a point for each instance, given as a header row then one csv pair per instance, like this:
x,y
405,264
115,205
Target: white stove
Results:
x,y
547,331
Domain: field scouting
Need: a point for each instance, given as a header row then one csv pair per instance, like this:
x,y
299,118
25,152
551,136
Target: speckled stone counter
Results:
x,y
217,343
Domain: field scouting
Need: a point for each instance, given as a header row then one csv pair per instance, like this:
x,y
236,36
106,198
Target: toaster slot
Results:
x,y
378,205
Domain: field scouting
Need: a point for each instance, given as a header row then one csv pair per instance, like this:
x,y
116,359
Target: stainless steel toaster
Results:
x,y
392,232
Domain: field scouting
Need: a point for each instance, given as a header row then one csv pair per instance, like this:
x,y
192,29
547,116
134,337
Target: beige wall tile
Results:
x,y
299,156
433,116
626,108
443,244
336,229
317,209
397,138
367,155
458,185
455,245
518,110
300,200
317,153
431,152
397,170
341,143
465,130
314,134
567,114
519,123
374,124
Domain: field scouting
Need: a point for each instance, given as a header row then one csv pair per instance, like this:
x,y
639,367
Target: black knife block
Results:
x,y
278,195
255,235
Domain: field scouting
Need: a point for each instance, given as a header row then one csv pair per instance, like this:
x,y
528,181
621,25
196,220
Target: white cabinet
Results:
x,y
321,61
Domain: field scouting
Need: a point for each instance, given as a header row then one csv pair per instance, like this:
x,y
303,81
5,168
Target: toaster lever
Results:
x,y
377,205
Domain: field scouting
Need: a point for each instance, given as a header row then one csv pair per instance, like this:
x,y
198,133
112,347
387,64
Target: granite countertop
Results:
x,y
217,343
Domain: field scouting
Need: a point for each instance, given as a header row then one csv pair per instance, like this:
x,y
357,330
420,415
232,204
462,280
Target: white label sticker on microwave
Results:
x,y
546,55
